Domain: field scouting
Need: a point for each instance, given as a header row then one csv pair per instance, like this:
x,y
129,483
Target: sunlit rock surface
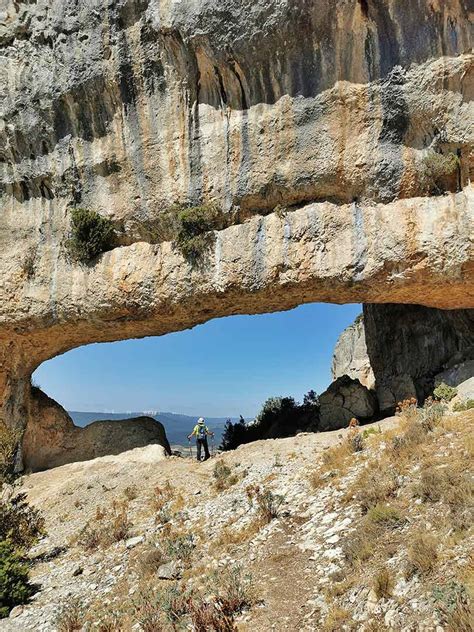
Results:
x,y
314,124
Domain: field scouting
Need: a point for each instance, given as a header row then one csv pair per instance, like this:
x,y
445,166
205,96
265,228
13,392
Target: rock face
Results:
x,y
409,350
350,355
52,439
336,134
345,398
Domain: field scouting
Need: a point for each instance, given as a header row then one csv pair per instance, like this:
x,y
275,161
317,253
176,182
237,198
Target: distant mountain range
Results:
x,y
177,426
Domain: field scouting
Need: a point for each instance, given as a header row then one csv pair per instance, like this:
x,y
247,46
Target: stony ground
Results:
x,y
325,562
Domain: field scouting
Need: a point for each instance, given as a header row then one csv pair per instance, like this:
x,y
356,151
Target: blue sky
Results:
x,y
226,367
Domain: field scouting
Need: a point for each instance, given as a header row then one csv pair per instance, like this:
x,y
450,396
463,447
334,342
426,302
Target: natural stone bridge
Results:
x,y
325,125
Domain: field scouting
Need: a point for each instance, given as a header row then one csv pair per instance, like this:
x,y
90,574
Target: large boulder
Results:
x,y
52,439
344,399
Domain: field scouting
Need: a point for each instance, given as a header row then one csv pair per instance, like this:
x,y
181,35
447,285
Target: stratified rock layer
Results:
x,y
348,124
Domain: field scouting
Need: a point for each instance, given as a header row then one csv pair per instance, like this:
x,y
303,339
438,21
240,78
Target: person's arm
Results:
x,y
190,436
209,432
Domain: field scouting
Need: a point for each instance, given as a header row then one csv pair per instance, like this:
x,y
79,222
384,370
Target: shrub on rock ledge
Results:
x,y
195,229
91,234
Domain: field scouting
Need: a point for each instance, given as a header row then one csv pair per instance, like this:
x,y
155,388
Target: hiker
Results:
x,y
201,431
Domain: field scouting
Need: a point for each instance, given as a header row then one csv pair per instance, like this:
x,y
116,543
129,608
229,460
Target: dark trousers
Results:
x,y
202,443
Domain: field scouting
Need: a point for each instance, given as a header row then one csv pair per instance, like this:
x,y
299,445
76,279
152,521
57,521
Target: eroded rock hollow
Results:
x,y
336,135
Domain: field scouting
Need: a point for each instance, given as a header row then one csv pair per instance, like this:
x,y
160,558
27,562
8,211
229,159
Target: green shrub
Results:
x,y
223,477
279,417
195,230
15,587
21,524
178,547
436,168
462,406
384,515
444,392
91,234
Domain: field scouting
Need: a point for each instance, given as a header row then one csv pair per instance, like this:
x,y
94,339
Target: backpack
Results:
x,y
202,432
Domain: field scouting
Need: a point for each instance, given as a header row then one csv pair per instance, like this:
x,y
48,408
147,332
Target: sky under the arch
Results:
x,y
226,367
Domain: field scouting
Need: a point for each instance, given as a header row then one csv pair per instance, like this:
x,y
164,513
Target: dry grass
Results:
x,y
161,496
109,526
422,554
223,476
383,583
360,545
336,618
234,537
71,616
374,485
385,516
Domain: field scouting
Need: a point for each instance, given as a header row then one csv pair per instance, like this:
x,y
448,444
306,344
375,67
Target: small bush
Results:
x,y
375,485
71,616
385,515
19,522
206,616
162,496
118,527
153,608
444,392
268,503
15,587
361,544
462,406
195,229
9,441
335,620
431,414
454,605
91,234
435,168
223,477
407,409
178,547
422,555
383,583
89,538
234,590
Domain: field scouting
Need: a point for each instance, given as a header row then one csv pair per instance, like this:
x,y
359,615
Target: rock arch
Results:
x,y
313,121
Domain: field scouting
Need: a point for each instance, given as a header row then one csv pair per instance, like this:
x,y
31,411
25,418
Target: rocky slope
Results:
x,y
336,136
339,554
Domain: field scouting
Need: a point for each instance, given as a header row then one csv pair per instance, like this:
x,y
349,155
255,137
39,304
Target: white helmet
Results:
x,y
201,420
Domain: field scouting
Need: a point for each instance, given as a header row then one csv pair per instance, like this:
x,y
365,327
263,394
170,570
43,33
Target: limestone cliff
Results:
x,y
337,135
406,349
350,355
